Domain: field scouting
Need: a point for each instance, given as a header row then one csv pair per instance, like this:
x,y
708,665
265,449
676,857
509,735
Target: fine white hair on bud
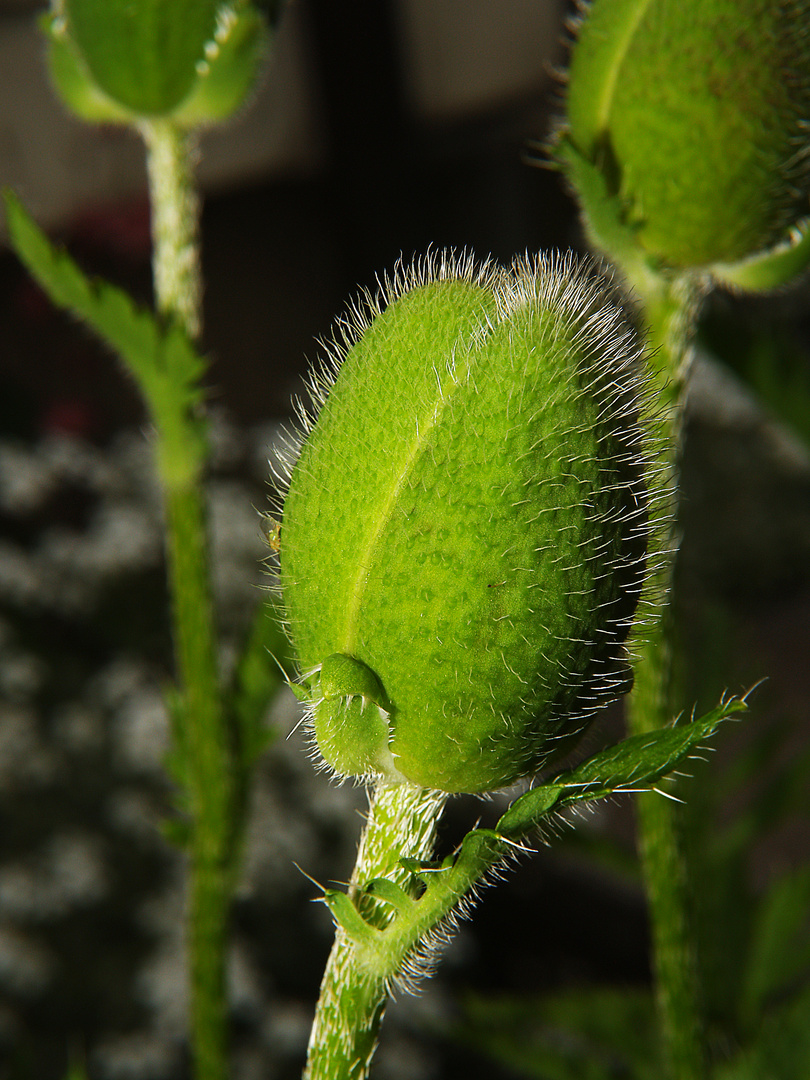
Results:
x,y
466,528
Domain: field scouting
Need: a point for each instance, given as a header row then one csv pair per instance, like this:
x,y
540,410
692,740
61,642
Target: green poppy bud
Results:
x,y
465,528
696,113
119,61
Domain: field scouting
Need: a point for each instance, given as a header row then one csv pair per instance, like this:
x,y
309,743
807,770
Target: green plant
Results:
x,y
158,68
483,501
525,388
481,461
694,178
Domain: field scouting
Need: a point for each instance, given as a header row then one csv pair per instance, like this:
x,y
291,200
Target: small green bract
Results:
x,y
466,525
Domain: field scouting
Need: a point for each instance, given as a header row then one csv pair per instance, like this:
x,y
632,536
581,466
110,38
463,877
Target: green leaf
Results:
x,y
382,952
779,957
781,1050
769,269
391,893
586,1034
635,763
349,918
262,669
162,359
526,812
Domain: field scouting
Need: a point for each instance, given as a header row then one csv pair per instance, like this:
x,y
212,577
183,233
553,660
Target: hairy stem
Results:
x,y
669,315
202,743
175,208
401,824
201,730
666,883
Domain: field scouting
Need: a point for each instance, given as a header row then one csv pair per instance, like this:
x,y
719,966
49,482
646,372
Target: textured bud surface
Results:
x,y
697,112
468,517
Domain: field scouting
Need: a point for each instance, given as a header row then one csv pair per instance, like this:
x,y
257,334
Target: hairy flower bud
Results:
x,y
697,115
464,533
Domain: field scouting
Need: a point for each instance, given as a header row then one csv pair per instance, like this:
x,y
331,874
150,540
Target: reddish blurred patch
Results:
x,y
120,229
69,416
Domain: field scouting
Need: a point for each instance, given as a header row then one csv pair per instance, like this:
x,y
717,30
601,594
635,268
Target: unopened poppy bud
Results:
x,y
121,61
465,529
696,113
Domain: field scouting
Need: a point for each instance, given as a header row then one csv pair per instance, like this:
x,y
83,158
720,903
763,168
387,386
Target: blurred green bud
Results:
x,y
696,114
120,61
465,528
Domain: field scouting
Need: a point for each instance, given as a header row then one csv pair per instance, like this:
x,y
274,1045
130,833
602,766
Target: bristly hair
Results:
x,y
588,297
540,152
349,327
611,370
422,960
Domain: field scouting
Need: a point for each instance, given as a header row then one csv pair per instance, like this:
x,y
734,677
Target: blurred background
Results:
x,y
380,128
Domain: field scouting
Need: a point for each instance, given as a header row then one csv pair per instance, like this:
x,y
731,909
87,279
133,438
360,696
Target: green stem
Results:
x,y
401,824
175,208
669,312
202,740
206,753
666,882
669,305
